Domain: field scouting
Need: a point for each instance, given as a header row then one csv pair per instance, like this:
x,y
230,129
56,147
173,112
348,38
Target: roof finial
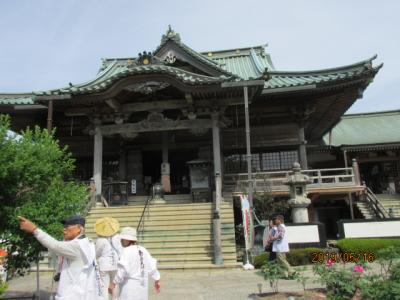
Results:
x,y
170,34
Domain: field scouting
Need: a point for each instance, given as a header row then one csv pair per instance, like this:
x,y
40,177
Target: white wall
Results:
x,y
372,229
302,234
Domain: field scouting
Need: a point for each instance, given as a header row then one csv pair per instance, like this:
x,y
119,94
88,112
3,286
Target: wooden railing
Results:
x,y
274,181
376,206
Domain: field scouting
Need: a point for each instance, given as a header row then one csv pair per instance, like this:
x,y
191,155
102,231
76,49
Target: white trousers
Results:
x,y
106,278
134,289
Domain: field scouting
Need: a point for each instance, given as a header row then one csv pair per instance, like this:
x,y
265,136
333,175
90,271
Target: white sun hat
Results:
x,y
128,233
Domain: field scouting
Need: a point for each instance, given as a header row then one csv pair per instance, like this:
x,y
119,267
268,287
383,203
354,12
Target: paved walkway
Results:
x,y
232,284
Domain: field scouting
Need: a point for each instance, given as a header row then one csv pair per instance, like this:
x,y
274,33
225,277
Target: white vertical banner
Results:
x,y
248,226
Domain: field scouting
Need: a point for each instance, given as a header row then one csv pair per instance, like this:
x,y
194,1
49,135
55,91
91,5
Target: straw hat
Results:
x,y
106,226
128,233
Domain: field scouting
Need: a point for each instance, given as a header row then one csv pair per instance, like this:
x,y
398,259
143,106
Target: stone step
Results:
x,y
366,212
161,252
138,213
193,266
186,238
159,216
165,206
150,223
183,244
193,258
180,227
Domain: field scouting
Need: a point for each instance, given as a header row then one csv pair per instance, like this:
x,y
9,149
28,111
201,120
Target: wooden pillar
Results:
x,y
356,171
218,259
50,116
349,196
302,148
248,147
122,163
164,146
165,167
98,162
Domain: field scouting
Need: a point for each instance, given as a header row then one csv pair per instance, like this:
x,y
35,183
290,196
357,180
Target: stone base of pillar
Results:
x,y
218,258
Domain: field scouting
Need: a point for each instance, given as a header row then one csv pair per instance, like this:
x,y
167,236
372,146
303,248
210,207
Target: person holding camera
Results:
x,y
269,232
79,277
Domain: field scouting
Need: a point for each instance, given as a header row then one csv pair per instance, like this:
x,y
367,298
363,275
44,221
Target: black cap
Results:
x,y
74,220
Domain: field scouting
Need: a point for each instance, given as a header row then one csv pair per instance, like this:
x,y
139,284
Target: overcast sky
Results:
x,y
46,44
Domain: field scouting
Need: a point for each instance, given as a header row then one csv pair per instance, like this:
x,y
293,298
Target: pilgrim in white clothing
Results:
x,y
134,268
79,275
108,251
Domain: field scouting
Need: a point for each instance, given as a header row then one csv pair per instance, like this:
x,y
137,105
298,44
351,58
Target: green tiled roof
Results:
x,y
234,64
284,79
14,99
366,129
118,69
247,63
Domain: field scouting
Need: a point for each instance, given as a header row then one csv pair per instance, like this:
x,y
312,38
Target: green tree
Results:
x,y
267,206
35,182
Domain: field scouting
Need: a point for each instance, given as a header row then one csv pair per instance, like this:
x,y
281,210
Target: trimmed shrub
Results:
x,y
296,257
260,260
300,257
363,246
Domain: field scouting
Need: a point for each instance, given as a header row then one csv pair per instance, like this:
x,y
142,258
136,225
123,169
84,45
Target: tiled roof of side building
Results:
x,y
366,129
16,99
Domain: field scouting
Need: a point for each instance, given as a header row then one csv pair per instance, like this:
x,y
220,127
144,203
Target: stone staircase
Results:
x,y
365,210
391,203
178,235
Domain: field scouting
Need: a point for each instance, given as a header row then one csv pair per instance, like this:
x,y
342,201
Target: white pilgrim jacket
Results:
x,y
108,252
80,279
133,272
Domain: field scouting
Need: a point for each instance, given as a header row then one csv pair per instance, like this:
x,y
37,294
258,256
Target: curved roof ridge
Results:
x,y
261,47
372,113
11,95
328,70
256,62
98,76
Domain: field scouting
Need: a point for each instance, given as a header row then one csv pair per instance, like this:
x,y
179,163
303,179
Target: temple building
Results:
x,y
178,117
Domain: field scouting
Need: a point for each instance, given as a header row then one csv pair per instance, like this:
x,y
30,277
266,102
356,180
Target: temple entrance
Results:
x,y
151,169
179,175
180,171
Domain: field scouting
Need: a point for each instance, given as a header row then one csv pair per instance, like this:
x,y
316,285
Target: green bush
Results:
x,y
260,260
362,246
3,287
300,257
296,257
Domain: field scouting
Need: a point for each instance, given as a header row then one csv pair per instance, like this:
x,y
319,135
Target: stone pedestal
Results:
x,y
300,212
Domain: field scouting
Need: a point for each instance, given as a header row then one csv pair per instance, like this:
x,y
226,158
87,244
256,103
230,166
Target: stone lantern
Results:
x,y
298,197
158,194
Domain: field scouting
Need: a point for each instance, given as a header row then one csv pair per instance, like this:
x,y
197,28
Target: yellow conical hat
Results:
x,y
106,226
